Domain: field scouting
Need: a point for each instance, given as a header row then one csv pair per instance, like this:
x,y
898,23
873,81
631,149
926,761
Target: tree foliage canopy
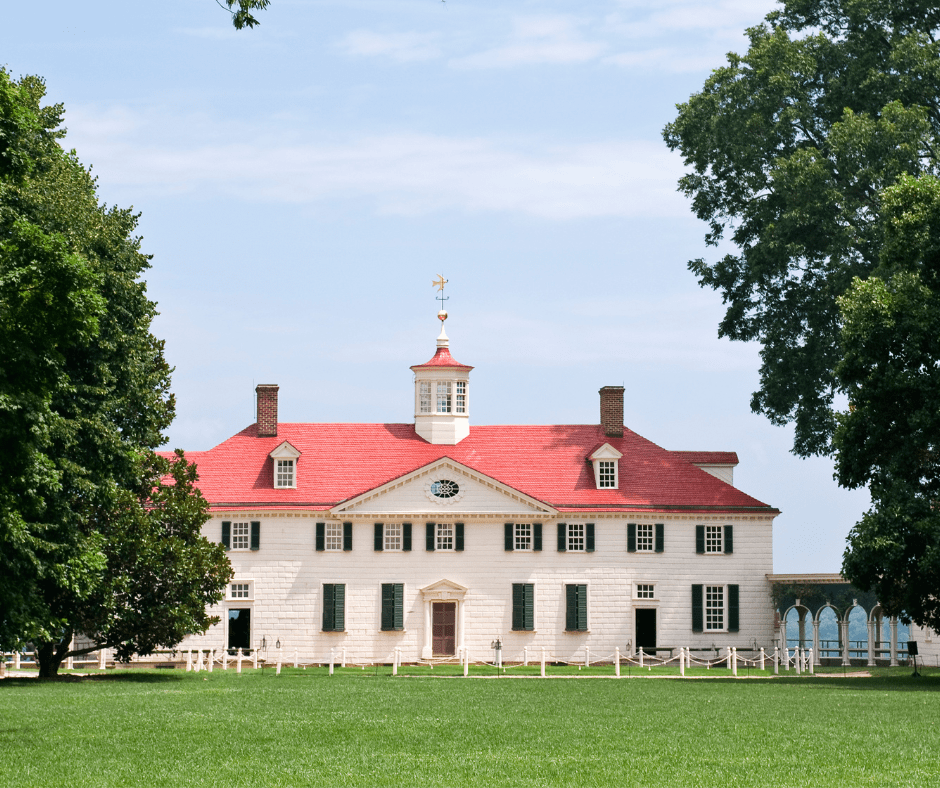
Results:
x,y
789,148
84,398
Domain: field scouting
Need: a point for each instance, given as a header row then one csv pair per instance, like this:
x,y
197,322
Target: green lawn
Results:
x,y
367,728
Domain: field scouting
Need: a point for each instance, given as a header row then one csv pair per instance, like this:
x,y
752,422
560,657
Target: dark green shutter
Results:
x,y
458,536
329,607
697,612
406,536
631,537
571,607
660,537
508,537
226,534
393,618
429,537
589,538
562,537
729,538
255,535
733,609
523,607
576,607
379,545
537,536
321,537
699,538
339,607
347,536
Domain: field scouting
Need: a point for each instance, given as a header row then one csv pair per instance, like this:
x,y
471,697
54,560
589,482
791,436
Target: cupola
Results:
x,y
442,395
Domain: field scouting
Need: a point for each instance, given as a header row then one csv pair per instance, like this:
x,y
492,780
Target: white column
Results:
x,y
844,636
871,641
460,623
815,649
894,641
426,651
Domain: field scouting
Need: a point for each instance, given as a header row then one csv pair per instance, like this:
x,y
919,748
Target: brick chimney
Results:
x,y
266,413
612,411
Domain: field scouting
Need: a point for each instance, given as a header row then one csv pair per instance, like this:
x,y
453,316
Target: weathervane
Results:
x,y
439,284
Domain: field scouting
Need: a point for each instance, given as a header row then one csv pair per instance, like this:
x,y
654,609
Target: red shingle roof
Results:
x,y
549,463
443,358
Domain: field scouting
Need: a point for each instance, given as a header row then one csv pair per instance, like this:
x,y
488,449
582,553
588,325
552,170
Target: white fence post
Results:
x,y
466,662
295,658
797,661
641,656
254,658
332,658
761,657
543,662
189,660
776,661
210,660
811,667
617,662
734,662
16,660
342,663
101,659
587,657
238,661
525,656
681,660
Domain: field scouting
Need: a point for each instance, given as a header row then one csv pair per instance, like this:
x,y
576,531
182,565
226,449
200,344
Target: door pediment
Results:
x,y
444,591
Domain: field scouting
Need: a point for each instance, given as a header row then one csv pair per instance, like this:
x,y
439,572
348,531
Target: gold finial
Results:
x,y
439,284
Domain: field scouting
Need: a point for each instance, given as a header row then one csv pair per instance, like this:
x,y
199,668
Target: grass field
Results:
x,y
368,728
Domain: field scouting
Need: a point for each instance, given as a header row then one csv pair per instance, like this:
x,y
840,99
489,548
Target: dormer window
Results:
x,y
605,460
285,459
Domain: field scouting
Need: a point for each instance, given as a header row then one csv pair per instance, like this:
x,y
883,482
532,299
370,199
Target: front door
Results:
x,y
444,629
646,629
239,629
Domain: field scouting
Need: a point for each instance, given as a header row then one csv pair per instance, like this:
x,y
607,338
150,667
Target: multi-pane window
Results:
x,y
334,536
461,397
714,607
607,473
645,591
713,542
523,536
444,537
239,591
241,532
443,396
424,396
576,537
392,536
644,537
284,473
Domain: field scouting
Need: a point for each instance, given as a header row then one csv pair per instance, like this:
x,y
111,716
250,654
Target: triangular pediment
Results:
x,y
605,452
286,451
444,590
444,487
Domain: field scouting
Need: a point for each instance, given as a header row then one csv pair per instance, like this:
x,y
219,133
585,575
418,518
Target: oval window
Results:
x,y
444,488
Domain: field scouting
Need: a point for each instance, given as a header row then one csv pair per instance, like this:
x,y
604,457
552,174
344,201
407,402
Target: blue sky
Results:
x,y
302,183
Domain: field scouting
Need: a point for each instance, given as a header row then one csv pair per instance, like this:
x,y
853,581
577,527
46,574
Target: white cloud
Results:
x,y
537,39
402,47
406,174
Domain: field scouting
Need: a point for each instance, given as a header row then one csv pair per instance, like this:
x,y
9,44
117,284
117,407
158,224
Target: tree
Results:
x,y
241,15
889,438
84,395
790,147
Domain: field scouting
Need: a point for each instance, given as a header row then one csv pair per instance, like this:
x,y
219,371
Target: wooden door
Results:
x,y
444,629
646,629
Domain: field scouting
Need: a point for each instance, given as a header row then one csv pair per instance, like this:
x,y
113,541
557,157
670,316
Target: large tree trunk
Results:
x,y
51,655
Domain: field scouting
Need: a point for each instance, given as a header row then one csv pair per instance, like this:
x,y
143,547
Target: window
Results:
x,y
392,537
239,591
644,538
334,536
522,536
334,607
424,397
284,473
714,539
443,396
444,488
523,607
576,537
645,591
393,608
444,536
607,474
461,397
285,457
241,533
576,607
241,536
715,608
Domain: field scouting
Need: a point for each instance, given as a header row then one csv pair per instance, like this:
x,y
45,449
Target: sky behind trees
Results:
x,y
302,183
